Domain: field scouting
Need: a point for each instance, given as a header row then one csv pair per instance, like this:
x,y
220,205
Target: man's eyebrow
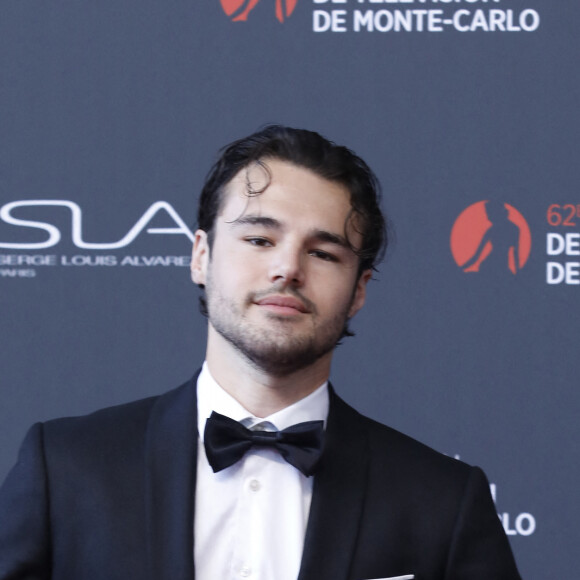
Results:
x,y
257,220
324,236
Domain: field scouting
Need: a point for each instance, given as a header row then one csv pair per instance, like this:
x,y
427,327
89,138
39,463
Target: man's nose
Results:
x,y
287,266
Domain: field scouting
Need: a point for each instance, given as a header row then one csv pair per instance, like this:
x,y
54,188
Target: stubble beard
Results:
x,y
277,348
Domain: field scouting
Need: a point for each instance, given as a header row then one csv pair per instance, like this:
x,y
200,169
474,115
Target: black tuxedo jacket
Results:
x,y
110,496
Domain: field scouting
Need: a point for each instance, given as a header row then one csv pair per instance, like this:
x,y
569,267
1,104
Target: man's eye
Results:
x,y
323,255
257,241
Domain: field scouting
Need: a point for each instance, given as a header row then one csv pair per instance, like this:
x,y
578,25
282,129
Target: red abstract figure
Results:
x,y
490,236
238,10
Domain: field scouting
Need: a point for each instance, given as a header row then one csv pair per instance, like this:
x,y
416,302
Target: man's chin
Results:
x,y
282,359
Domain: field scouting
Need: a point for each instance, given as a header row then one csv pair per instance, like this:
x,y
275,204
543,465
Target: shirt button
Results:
x,y
245,571
254,486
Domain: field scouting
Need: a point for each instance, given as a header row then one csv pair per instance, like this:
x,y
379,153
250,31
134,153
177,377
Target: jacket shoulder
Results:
x,y
390,449
116,429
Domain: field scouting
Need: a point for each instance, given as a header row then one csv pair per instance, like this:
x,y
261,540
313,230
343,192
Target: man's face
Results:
x,y
280,278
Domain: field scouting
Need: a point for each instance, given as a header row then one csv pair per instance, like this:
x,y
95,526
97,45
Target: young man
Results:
x,y
255,468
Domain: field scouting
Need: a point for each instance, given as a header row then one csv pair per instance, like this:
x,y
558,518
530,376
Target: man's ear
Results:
x,y
199,257
360,292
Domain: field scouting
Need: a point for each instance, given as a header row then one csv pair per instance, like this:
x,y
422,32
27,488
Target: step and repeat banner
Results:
x,y
112,112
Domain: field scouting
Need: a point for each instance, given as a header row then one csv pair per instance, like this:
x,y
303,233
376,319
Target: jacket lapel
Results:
x,y
338,496
171,461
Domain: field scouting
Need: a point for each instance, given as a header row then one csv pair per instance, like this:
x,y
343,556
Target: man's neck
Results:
x,y
259,392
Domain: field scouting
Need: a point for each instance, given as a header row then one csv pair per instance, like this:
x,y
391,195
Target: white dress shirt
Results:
x,y
250,518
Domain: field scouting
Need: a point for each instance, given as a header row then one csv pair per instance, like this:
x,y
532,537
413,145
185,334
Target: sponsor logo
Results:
x,y
522,524
390,17
20,257
375,18
563,243
491,236
54,235
239,10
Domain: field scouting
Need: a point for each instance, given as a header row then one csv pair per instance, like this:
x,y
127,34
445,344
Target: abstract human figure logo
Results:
x,y
490,236
238,10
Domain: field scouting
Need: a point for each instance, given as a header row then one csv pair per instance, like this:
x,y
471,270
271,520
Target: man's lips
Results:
x,y
283,304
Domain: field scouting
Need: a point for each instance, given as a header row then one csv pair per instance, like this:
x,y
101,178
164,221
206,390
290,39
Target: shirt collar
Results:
x,y
212,397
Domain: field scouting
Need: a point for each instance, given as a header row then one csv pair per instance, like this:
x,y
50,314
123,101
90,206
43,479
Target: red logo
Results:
x,y
491,236
238,10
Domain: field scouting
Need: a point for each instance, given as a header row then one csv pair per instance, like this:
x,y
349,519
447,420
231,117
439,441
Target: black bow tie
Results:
x,y
226,441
